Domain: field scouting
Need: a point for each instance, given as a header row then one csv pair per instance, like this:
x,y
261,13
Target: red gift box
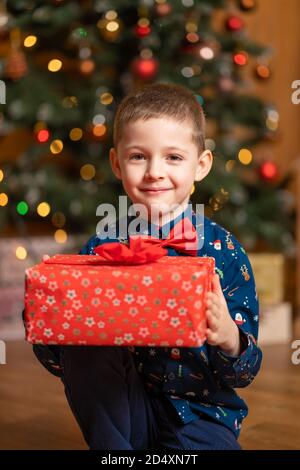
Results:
x,y
83,300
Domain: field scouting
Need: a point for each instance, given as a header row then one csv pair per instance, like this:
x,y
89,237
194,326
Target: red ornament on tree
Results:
x,y
43,136
234,23
145,68
240,58
268,171
142,30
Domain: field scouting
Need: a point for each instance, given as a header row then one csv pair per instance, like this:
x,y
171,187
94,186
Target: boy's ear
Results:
x,y
205,161
114,162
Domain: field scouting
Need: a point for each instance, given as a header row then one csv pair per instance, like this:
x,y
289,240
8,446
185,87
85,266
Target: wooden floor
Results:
x,y
34,413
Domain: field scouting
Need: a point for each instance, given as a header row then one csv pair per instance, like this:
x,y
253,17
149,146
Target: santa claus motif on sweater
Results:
x,y
239,320
216,244
175,353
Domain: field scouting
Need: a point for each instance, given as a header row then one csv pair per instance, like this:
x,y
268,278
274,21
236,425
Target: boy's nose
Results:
x,y
154,171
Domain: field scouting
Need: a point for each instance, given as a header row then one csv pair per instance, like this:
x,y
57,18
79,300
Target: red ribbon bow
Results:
x,y
145,248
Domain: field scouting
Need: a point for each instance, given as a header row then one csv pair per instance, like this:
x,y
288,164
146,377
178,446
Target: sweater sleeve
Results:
x,y
239,290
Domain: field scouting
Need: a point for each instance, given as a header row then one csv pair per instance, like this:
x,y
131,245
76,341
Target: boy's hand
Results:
x,y
221,331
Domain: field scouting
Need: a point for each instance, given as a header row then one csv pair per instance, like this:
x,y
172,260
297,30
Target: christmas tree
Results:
x,y
66,66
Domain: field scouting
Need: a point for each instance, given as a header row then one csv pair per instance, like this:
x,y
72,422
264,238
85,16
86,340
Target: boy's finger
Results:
x,y
215,308
45,257
211,336
211,320
216,285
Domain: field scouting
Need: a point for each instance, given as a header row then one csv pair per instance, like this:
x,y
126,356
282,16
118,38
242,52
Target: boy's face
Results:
x,y
158,163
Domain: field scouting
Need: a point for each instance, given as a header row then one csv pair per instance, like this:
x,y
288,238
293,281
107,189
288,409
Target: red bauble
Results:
x,y
142,31
43,136
268,171
234,23
240,58
145,68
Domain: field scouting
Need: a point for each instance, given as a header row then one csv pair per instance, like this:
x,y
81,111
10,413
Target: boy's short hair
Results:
x,y
161,100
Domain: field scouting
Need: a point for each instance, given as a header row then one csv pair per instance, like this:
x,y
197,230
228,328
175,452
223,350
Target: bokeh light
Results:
x,y
21,252
3,199
43,135
54,65
22,208
30,41
245,156
60,236
43,209
87,172
56,146
75,134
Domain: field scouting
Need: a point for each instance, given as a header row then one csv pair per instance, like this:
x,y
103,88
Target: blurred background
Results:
x,y
64,67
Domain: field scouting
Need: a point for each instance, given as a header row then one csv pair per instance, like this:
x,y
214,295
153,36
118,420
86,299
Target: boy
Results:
x,y
179,398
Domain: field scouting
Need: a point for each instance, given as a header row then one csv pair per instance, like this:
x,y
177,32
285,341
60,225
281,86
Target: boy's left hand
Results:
x,y
222,330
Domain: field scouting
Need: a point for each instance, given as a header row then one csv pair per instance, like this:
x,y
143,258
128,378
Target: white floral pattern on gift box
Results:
x,y
99,304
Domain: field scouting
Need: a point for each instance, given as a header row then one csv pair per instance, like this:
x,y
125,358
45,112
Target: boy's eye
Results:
x,y
136,157
176,157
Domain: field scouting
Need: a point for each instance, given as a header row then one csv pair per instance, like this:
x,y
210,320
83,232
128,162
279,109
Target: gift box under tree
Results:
x,y
122,297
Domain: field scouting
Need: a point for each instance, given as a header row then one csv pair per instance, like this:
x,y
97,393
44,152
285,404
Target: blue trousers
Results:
x,y
115,412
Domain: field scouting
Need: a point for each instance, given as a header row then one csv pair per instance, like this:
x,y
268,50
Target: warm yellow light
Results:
x,y
112,26
75,133
1,175
56,146
191,27
111,15
21,253
60,236
3,199
43,209
30,41
106,98
245,156
40,125
87,172
54,65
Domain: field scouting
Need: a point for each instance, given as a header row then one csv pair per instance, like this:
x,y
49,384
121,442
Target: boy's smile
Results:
x,y
158,163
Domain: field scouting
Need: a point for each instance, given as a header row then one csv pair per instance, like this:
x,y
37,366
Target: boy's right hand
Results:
x,y
45,257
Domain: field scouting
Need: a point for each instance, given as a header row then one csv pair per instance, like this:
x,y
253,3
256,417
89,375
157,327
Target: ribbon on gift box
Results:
x,y
141,249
